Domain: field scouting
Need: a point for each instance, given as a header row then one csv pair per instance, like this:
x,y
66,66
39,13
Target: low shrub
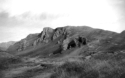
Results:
x,y
92,68
6,62
74,70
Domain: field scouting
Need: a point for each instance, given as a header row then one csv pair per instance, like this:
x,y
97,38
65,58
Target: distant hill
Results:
x,y
5,45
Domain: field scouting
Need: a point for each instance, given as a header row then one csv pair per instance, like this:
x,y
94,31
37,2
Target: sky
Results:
x,y
18,18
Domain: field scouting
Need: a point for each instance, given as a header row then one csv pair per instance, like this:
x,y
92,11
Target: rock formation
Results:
x,y
68,37
46,34
59,32
75,41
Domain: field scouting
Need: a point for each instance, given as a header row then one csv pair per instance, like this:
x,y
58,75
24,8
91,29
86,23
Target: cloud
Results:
x,y
119,6
26,18
3,4
21,17
6,20
19,26
41,17
2,1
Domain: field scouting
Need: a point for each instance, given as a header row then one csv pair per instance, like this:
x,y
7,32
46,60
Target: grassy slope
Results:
x,y
104,62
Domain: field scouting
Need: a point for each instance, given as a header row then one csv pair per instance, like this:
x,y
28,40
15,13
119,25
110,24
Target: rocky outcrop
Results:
x,y
23,45
68,37
49,34
59,32
72,42
44,36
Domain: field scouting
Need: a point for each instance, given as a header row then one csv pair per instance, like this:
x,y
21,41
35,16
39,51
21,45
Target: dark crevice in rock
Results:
x,y
73,42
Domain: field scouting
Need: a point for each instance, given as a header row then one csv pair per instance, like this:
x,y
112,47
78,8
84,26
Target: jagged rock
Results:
x,y
60,31
72,42
23,45
46,34
35,42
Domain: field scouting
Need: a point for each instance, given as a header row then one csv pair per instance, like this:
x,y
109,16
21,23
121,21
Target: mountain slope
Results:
x,y
67,52
52,41
5,45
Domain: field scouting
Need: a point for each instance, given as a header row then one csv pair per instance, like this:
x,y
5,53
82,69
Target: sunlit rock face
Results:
x,y
44,36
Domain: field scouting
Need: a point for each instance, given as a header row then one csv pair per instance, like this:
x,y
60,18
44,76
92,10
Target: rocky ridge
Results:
x,y
67,37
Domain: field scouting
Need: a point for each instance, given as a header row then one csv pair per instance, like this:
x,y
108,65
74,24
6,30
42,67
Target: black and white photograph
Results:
x,y
62,38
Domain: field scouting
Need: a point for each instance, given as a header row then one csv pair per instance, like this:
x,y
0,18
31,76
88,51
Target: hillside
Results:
x,y
5,45
67,52
58,36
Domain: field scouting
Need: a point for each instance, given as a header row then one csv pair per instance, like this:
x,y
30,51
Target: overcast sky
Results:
x,y
18,18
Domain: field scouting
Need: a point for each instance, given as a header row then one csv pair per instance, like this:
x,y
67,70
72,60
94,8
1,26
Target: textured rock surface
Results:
x,y
74,41
59,32
46,34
